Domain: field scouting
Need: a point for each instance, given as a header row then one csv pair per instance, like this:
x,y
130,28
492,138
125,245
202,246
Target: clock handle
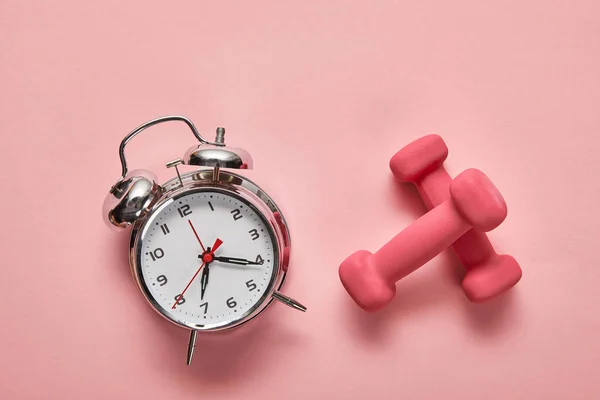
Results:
x,y
136,192
148,124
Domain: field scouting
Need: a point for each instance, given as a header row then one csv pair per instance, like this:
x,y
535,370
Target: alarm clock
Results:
x,y
209,249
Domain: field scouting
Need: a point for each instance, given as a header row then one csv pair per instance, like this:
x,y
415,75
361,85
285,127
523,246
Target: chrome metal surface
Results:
x,y
288,301
237,186
191,346
209,155
130,199
148,124
216,174
220,138
175,163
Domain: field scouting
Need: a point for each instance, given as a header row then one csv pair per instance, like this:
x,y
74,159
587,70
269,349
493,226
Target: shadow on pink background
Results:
x,y
322,95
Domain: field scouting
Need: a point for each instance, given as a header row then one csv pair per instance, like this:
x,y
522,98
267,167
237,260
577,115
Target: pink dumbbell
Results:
x,y
474,203
488,273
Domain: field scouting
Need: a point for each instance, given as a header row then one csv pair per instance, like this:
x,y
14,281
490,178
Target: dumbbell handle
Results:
x,y
434,188
421,241
474,247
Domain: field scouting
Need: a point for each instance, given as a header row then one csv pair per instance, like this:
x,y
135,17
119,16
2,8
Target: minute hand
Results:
x,y
234,260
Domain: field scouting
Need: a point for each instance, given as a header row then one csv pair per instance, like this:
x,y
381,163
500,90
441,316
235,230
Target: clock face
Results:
x,y
207,259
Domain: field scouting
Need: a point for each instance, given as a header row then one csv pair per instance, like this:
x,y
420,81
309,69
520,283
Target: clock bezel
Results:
x,y
237,186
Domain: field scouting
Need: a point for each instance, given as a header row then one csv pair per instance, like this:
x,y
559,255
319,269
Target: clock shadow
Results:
x,y
228,356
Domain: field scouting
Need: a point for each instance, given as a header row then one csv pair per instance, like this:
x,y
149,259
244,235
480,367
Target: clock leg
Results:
x,y
191,346
288,301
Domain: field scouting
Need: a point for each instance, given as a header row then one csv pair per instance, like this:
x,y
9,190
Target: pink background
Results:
x,y
322,94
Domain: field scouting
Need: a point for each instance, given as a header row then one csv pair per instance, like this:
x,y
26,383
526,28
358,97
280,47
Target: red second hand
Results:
x,y
217,244
177,298
195,233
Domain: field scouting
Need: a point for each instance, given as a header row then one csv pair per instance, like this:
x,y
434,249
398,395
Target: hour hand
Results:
x,y
204,281
235,260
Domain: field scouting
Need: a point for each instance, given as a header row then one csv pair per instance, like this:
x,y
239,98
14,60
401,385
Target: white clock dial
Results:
x,y
239,274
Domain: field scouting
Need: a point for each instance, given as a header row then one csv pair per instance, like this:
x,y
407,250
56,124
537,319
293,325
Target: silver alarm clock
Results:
x,y
209,249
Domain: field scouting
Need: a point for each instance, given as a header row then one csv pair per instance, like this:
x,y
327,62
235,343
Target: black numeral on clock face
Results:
x,y
231,302
205,305
156,254
254,234
237,214
165,229
259,260
251,285
162,280
211,206
184,210
179,299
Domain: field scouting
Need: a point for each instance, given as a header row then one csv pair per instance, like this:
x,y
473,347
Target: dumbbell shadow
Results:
x,y
436,285
371,278
475,203
419,296
415,296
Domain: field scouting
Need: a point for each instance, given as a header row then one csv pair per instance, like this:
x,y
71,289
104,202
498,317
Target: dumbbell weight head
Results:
x,y
364,283
419,158
478,200
495,276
